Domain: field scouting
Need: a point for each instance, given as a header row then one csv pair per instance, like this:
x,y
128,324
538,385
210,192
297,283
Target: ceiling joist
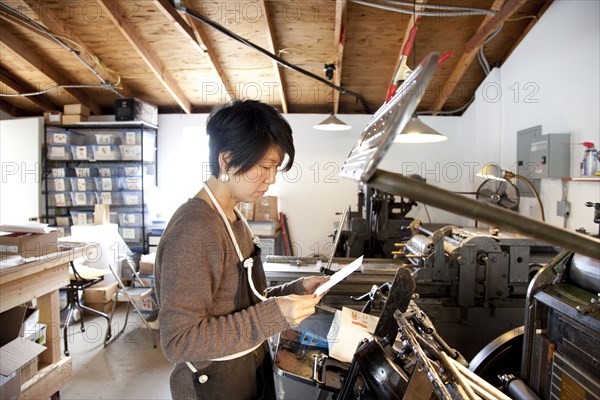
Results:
x,y
341,8
271,47
507,10
22,50
40,101
11,109
462,65
110,8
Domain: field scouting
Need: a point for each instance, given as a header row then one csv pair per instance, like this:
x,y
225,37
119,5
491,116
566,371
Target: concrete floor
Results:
x,y
129,367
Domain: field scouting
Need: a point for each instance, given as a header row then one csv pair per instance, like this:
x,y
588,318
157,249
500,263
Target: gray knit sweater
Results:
x,y
196,284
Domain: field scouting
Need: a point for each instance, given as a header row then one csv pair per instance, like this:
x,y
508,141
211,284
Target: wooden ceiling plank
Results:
x,y
111,9
529,26
11,109
41,101
178,22
57,27
462,65
36,61
507,10
339,35
271,47
215,66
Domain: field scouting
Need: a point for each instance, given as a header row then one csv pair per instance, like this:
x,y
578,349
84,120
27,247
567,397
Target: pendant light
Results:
x,y
416,131
332,123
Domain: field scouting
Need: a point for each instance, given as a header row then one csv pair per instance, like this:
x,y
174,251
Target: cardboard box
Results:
x,y
101,292
76,109
147,263
265,209
15,352
53,118
247,210
29,244
73,119
102,307
29,370
135,110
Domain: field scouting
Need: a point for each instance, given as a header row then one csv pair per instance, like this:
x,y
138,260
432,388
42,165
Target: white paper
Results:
x,y
339,276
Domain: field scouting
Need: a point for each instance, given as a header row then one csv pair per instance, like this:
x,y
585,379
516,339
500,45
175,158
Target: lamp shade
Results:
x,y
416,131
491,171
332,123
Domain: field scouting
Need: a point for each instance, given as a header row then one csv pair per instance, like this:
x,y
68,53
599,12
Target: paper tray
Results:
x,y
291,358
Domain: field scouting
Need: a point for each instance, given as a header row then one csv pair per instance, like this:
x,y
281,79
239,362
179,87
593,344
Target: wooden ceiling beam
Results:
x,y
215,66
41,101
339,37
57,27
462,65
271,47
506,11
192,29
178,22
111,9
36,61
11,109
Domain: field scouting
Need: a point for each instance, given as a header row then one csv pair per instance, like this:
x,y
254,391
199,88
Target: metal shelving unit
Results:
x,y
148,164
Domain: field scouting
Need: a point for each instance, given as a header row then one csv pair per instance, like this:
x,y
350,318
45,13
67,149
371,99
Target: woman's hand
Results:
x,y
297,308
311,283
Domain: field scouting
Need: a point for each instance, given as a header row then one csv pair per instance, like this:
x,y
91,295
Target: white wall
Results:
x,y
551,79
311,193
21,171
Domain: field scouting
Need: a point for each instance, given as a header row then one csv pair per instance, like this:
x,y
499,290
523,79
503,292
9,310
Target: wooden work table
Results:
x,y
41,280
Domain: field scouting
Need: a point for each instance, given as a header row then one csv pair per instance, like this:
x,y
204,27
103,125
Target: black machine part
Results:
x,y
502,193
516,388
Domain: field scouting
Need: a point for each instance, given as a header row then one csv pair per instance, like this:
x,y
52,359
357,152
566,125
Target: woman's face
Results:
x,y
252,184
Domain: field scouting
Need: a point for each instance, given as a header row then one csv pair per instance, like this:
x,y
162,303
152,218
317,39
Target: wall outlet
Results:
x,y
563,208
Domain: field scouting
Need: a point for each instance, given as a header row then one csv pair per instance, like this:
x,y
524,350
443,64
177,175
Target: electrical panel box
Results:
x,y
541,157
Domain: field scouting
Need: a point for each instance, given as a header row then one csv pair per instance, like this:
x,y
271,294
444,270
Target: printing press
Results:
x,y
530,289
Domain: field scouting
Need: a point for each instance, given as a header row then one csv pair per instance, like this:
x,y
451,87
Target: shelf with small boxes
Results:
x,y
92,163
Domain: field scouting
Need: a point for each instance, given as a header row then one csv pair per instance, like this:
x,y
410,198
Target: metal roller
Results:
x,y
585,273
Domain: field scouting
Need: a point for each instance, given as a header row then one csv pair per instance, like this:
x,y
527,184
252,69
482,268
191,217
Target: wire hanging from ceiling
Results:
x,y
280,61
19,17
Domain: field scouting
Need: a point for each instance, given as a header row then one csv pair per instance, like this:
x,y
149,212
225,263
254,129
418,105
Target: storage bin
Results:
x,y
105,152
83,152
114,217
64,137
85,172
131,234
108,171
132,197
63,231
83,184
108,184
113,198
106,138
82,217
134,152
59,152
134,137
83,198
131,218
133,170
133,183
62,172
59,199
63,220
59,185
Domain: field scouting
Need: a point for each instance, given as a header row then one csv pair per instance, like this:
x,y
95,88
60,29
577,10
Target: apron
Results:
x,y
246,375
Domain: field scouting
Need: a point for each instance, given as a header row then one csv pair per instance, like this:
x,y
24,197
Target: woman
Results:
x,y
214,320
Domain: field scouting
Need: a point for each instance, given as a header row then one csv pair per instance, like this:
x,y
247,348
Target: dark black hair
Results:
x,y
247,129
